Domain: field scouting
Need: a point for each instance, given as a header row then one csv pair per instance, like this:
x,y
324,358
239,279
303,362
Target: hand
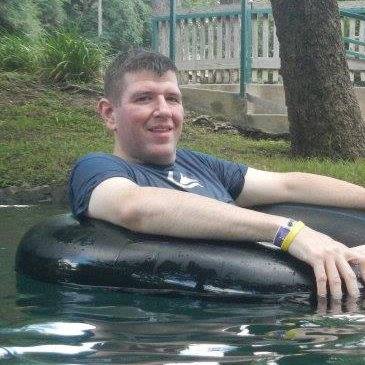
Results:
x,y
359,269
330,262
358,249
335,306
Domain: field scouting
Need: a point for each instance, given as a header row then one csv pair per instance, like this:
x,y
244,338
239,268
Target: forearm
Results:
x,y
181,214
263,187
188,215
323,190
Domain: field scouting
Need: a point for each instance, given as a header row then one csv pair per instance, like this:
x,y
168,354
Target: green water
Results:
x,y
52,324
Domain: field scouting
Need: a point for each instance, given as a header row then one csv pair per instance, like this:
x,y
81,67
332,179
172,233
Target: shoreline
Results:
x,y
14,195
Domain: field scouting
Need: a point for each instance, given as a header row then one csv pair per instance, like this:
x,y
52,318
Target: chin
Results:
x,y
165,158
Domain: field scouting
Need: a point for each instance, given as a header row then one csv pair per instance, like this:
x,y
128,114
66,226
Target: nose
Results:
x,y
162,108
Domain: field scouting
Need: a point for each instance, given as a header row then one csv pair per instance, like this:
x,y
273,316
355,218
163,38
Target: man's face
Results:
x,y
148,120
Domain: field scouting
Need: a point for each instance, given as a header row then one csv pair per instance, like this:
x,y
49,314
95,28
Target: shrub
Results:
x,y
125,22
18,53
68,56
20,16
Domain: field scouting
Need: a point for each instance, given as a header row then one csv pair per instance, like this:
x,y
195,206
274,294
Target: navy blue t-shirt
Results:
x,y
194,172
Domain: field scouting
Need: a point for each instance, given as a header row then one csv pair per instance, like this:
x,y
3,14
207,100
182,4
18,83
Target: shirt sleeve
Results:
x,y
87,173
231,174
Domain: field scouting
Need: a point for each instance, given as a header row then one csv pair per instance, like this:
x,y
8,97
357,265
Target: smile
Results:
x,y
160,129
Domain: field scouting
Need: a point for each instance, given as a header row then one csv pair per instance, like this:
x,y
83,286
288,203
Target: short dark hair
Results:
x,y
135,61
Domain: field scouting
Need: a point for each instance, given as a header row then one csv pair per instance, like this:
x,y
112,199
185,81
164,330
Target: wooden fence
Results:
x,y
208,42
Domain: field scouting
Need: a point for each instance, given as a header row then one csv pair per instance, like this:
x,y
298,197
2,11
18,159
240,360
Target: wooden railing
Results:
x,y
208,42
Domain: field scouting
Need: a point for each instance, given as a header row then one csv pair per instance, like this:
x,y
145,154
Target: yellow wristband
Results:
x,y
288,240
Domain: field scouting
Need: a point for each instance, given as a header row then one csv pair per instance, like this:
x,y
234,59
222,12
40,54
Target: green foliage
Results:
x,y
198,3
19,16
125,22
206,3
51,12
63,55
18,53
68,56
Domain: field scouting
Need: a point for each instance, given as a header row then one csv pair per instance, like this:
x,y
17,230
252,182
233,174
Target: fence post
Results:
x,y
172,29
243,50
100,18
154,34
248,42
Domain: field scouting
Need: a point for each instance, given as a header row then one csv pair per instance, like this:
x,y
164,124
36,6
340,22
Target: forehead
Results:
x,y
149,81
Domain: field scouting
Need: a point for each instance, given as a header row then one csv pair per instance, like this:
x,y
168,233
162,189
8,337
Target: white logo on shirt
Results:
x,y
185,182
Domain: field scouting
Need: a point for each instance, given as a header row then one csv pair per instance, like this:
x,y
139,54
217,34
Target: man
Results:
x,y
149,186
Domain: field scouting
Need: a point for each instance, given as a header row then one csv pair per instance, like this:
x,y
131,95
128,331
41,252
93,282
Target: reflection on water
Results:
x,y
82,349
44,323
56,329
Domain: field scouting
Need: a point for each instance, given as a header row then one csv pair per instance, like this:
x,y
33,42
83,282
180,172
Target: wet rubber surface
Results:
x,y
54,324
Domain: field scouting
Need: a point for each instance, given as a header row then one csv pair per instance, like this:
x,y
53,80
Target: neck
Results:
x,y
154,160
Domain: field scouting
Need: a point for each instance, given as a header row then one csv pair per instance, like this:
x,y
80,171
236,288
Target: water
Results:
x,y
53,324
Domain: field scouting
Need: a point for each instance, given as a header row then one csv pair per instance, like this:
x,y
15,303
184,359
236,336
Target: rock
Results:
x,y
203,120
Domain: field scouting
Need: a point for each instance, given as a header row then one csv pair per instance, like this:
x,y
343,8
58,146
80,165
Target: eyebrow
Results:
x,y
147,93
179,95
141,93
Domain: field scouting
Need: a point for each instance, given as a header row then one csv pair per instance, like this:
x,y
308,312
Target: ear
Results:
x,y
106,111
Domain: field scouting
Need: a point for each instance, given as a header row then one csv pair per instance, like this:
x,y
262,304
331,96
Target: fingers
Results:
x,y
330,262
333,271
361,267
348,276
362,270
334,279
335,306
359,260
321,280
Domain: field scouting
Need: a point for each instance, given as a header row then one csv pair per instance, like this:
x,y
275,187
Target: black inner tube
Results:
x,y
94,253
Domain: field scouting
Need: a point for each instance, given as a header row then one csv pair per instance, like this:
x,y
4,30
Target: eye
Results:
x,y
142,98
173,99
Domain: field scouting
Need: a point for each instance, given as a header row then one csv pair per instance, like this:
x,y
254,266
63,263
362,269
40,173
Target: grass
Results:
x,y
44,130
18,53
59,56
70,56
273,155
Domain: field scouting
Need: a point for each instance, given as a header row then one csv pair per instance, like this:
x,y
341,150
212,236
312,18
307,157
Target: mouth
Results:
x,y
160,129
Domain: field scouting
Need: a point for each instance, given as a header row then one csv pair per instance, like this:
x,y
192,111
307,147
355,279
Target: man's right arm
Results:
x,y
181,214
174,213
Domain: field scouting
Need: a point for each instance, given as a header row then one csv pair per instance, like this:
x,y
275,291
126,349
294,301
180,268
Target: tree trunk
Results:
x,y
323,111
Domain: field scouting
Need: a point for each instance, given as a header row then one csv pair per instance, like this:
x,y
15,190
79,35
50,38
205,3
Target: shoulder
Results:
x,y
186,154
97,157
94,168
89,172
99,161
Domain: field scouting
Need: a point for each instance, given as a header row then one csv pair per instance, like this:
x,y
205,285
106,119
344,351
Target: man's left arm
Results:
x,y
328,258
264,187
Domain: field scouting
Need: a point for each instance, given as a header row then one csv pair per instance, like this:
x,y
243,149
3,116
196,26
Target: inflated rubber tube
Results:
x,y
94,253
